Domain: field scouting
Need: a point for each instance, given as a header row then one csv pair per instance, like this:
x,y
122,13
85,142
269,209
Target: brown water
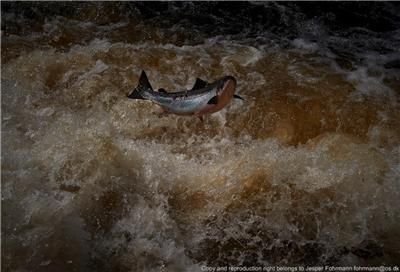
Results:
x,y
304,171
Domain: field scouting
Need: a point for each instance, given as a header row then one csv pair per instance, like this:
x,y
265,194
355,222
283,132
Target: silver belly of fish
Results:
x,y
182,104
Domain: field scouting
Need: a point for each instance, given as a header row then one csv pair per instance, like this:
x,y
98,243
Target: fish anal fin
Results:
x,y
199,84
213,100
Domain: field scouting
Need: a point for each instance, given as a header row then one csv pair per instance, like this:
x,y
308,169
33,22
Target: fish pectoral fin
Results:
x,y
238,97
161,90
199,84
213,100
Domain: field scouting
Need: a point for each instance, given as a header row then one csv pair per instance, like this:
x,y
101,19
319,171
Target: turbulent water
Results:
x,y
305,171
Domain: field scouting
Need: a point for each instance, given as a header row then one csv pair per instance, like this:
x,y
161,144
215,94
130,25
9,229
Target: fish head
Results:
x,y
224,93
227,89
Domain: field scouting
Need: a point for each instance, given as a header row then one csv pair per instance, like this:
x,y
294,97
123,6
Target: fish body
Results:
x,y
203,98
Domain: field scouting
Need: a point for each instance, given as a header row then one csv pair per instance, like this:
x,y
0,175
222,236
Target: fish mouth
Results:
x,y
227,78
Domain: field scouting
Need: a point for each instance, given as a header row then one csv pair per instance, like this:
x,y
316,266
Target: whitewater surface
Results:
x,y
305,171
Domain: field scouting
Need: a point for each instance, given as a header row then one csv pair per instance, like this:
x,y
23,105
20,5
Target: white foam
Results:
x,y
305,45
94,156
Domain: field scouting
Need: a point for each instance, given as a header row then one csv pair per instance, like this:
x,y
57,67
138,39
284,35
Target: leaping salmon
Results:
x,y
203,98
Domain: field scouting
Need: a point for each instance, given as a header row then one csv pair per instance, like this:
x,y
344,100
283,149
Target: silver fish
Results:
x,y
203,98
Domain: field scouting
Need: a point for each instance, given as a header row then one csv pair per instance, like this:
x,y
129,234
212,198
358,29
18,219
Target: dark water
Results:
x,y
306,171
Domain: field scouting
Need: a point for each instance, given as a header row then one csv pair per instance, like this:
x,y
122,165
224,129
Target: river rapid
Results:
x,y
305,171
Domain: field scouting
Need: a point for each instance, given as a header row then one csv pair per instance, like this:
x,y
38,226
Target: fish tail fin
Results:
x,y
135,94
143,86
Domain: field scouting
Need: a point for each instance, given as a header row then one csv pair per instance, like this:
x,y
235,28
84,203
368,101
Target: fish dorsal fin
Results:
x,y
199,84
144,82
161,90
